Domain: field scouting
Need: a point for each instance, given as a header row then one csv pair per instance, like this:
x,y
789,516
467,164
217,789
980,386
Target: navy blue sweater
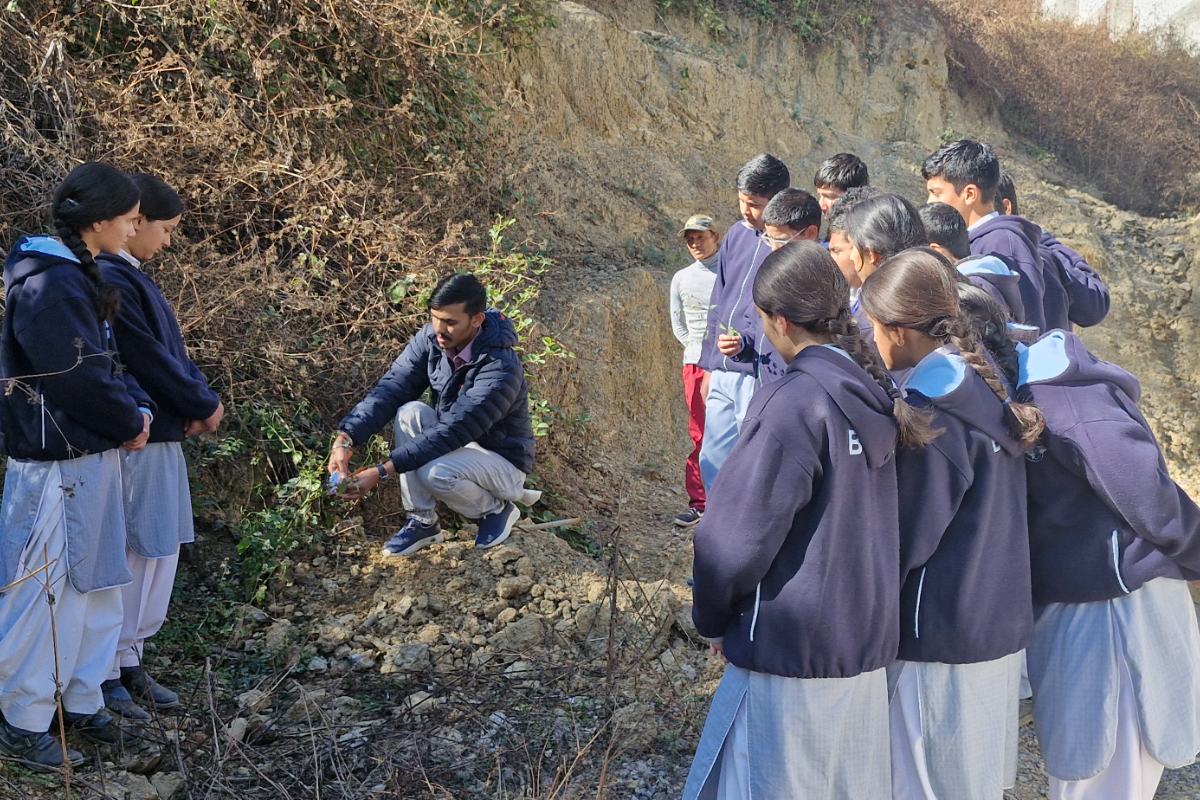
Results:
x,y
994,277
152,349
1087,296
486,401
797,555
731,307
1016,241
964,537
1104,515
90,403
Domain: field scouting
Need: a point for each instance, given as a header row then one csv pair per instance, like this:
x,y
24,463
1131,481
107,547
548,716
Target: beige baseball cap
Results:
x,y
699,222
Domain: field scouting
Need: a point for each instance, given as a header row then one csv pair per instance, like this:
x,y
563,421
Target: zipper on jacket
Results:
x,y
741,293
1116,548
757,600
42,408
917,610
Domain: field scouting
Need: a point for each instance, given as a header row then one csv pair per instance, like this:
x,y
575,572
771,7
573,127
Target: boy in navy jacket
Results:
x,y
1084,297
947,233
964,175
836,176
730,350
473,448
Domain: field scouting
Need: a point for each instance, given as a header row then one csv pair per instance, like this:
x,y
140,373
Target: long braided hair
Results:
x,y
991,325
917,290
93,192
802,284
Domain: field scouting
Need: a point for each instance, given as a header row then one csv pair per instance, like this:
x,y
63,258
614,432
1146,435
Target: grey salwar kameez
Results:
x,y
773,737
954,728
1075,665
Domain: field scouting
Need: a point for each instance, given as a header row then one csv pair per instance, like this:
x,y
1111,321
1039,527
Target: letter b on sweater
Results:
x,y
855,444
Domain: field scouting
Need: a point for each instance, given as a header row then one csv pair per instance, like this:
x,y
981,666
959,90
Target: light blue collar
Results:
x,y
983,265
48,246
1045,359
937,374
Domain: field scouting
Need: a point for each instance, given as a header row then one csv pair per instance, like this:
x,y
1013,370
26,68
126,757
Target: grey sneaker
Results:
x,y
39,752
689,518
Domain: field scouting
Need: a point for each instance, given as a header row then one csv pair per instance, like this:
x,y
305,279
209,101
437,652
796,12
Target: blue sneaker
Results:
x,y
495,528
412,537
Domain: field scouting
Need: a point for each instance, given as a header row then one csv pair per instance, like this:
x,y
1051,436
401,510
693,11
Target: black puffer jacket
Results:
x,y
486,401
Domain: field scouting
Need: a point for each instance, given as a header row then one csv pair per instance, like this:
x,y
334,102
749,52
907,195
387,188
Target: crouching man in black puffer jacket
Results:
x,y
473,447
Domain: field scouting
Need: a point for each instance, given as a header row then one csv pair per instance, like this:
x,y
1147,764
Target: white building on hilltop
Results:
x,y
1182,16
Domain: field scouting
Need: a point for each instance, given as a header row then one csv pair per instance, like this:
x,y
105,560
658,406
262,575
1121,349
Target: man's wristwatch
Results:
x,y
383,473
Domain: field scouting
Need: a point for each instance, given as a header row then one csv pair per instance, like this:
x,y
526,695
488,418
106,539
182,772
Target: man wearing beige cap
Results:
x,y
691,290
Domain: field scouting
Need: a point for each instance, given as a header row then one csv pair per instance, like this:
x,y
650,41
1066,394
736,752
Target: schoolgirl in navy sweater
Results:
x,y
796,570
1115,658
965,607
158,507
68,412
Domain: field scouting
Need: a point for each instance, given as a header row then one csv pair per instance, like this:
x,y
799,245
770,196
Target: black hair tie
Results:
x,y
893,393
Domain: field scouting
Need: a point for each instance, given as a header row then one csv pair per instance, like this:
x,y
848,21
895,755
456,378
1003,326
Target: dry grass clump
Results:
x,y
1125,110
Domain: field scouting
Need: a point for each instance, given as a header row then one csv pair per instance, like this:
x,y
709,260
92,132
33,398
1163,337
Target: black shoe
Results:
x,y
101,727
147,691
39,752
689,518
118,700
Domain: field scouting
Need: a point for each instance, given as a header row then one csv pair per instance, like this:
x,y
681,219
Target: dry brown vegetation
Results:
x,y
1125,111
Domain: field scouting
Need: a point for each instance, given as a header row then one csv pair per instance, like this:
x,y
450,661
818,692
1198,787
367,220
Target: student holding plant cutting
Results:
x,y
734,345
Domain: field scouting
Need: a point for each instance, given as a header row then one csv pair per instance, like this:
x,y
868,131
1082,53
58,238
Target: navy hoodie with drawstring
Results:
x,y
1087,297
1104,515
797,556
485,401
964,537
731,307
51,330
994,277
1017,242
153,351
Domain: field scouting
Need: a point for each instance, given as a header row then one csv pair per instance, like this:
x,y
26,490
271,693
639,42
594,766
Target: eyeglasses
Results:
x,y
774,243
